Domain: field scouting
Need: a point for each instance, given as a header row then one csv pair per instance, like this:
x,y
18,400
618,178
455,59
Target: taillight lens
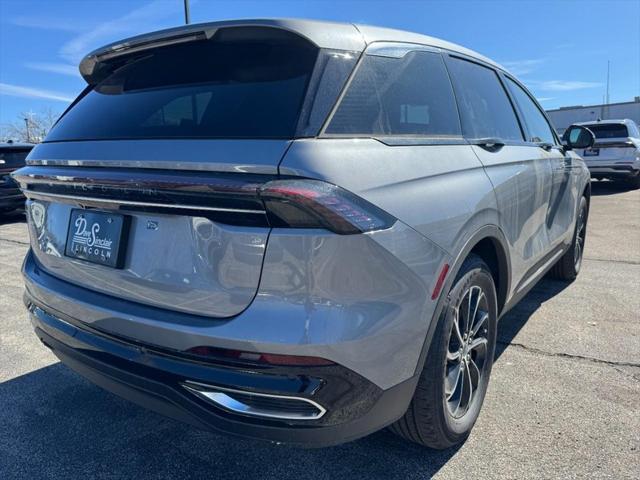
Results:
x,y
317,204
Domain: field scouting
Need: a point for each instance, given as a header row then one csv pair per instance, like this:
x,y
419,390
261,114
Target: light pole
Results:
x,y
187,15
26,121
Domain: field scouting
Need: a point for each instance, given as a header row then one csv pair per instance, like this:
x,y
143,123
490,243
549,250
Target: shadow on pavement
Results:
x,y
515,319
55,424
607,187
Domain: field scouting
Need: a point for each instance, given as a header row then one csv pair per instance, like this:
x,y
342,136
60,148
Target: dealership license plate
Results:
x,y
97,237
592,152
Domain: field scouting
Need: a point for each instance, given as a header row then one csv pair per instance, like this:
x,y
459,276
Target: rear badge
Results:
x,y
151,225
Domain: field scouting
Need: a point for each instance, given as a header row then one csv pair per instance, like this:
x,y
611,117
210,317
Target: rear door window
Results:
x,y
485,109
537,126
411,95
232,86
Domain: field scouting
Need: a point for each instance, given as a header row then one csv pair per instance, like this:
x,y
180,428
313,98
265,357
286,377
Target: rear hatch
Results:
x,y
612,144
146,189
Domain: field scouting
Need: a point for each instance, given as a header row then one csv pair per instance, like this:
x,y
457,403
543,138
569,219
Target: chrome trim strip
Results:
x,y
215,394
157,165
109,201
537,273
397,49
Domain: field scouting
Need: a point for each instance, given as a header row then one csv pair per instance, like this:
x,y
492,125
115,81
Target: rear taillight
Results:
x,y
316,204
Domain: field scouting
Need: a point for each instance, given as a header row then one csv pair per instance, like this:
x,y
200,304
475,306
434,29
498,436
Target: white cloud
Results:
x,y
545,99
48,24
563,85
140,20
522,67
61,68
28,92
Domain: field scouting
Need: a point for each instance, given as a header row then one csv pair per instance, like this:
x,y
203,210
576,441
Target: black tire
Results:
x,y
429,420
568,266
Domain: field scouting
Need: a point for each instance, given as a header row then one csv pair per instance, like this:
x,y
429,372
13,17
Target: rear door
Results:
x,y
519,171
539,133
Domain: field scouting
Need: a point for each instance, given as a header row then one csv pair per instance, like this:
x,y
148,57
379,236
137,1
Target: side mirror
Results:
x,y
577,136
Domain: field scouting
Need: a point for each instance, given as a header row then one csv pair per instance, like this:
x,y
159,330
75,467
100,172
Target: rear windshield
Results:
x,y
609,130
232,86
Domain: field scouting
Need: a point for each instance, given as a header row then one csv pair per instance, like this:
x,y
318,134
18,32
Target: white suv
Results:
x,y
616,153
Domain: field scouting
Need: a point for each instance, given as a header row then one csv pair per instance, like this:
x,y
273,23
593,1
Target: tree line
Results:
x,y
29,127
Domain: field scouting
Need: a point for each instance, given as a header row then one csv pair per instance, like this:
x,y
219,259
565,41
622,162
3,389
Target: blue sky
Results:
x,y
558,48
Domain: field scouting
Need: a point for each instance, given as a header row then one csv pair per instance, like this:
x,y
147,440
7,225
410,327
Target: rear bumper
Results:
x,y
615,171
154,378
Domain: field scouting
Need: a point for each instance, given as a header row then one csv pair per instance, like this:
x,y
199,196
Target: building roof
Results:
x,y
333,35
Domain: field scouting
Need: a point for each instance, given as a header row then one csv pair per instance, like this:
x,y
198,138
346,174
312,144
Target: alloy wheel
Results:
x,y
580,235
466,352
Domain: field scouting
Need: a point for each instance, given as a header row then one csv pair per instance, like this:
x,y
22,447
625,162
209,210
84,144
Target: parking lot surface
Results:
x,y
563,402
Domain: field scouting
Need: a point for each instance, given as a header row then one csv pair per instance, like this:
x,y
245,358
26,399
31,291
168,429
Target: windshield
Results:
x,y
609,130
232,86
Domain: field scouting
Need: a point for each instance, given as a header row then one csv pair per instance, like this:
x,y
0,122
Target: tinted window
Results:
x,y
485,109
609,130
537,125
222,88
398,96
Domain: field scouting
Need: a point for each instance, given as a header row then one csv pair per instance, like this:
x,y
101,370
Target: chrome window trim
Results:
x,y
397,49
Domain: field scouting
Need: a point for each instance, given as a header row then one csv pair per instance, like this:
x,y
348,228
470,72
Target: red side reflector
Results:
x,y
440,282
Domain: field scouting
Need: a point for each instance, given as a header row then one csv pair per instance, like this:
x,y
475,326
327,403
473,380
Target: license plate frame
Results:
x,y
97,237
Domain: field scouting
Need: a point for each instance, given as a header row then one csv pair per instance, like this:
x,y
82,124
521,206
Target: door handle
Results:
x,y
490,144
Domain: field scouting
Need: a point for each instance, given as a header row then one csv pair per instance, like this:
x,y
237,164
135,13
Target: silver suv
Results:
x,y
297,231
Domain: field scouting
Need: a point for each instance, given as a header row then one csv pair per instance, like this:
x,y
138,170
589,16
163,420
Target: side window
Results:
x,y
411,95
485,109
537,125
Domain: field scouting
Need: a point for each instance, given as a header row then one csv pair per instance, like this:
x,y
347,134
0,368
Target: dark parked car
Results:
x,y
12,156
297,231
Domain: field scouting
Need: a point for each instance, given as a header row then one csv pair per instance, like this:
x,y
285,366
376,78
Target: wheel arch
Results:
x,y
488,242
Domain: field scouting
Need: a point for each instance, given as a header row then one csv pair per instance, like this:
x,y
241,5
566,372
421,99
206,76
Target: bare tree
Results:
x,y
29,127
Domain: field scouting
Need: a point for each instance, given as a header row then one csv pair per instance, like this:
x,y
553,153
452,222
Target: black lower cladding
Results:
x,y
153,379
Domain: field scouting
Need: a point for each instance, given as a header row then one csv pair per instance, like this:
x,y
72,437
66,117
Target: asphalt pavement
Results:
x,y
563,402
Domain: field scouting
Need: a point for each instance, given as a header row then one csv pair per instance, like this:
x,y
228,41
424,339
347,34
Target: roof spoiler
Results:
x,y
96,66
94,69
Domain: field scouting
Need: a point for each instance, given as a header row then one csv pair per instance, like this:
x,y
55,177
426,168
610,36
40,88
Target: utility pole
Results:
x,y
607,82
606,98
26,121
187,14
